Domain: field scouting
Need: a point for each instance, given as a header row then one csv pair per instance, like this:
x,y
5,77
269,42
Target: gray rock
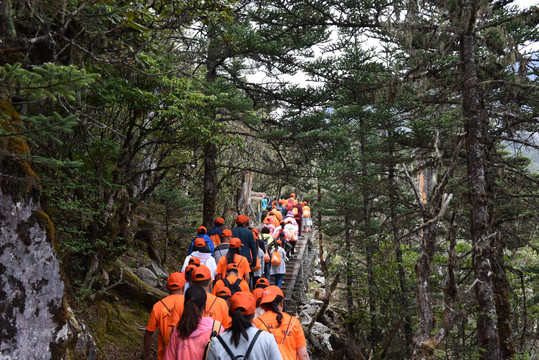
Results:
x,y
319,279
147,276
31,287
161,274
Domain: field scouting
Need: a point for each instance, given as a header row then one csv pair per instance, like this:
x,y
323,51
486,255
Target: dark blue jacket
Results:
x,y
248,245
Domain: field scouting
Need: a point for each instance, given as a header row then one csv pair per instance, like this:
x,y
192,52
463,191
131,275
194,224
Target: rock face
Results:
x,y
32,313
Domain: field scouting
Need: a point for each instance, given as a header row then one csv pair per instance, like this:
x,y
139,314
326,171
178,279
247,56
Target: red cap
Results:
x,y
242,219
224,291
219,220
176,281
201,273
200,228
226,232
244,300
270,293
262,281
199,242
235,243
194,261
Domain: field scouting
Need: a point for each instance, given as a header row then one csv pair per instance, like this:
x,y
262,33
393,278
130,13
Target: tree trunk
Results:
x,y
487,334
210,182
244,202
349,278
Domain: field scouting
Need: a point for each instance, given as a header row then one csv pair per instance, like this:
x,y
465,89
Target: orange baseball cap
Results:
x,y
258,293
235,243
199,242
292,195
242,219
200,228
282,201
194,261
201,273
190,267
232,266
226,232
279,242
262,281
224,291
243,300
176,280
219,220
270,293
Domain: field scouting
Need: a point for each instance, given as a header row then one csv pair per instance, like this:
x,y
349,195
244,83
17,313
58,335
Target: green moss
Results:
x,y
118,328
45,222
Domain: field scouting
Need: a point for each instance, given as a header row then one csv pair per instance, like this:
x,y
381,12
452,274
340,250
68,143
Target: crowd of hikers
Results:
x,y
221,303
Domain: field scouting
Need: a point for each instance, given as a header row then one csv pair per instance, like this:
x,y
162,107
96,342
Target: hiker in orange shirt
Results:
x,y
231,278
216,308
261,284
233,256
160,316
285,328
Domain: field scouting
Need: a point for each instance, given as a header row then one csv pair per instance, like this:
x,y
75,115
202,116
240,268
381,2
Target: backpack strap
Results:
x,y
226,282
288,327
252,344
227,349
214,332
237,282
265,325
214,300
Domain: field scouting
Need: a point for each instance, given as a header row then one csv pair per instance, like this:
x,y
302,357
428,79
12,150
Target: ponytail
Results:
x,y
195,302
274,306
230,255
240,324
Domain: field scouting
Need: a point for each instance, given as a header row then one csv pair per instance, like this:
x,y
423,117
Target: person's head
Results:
x,y
262,283
232,269
219,221
201,230
256,234
226,235
202,277
293,196
282,224
188,273
201,246
282,235
273,300
242,220
242,310
265,230
193,260
279,242
194,304
233,249
290,214
175,283
224,293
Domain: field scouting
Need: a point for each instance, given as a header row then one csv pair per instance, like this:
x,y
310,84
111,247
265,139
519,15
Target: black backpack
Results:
x,y
235,287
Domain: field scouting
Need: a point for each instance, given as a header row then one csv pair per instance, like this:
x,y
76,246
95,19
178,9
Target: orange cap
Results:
x,y
200,228
199,242
226,232
189,267
243,300
292,195
282,201
242,219
175,281
262,281
270,293
258,293
194,261
235,243
219,220
255,231
201,273
279,242
224,291
232,266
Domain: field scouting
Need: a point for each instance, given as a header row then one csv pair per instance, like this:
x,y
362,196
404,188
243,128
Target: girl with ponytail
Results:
x,y
285,328
188,340
242,338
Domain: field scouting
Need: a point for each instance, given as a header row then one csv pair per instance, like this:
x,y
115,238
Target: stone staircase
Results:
x,y
294,281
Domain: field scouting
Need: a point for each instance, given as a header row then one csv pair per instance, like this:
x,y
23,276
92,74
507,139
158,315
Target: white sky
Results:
x,y
300,78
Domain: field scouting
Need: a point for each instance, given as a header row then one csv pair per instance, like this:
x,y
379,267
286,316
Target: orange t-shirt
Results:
x,y
231,279
216,308
241,262
295,337
160,318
